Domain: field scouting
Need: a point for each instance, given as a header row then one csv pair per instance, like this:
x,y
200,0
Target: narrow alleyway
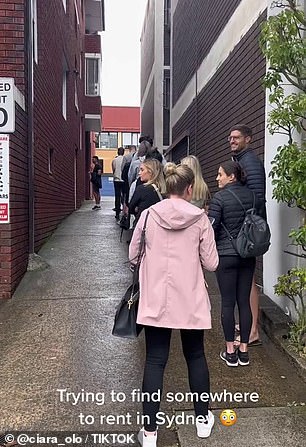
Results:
x,y
55,339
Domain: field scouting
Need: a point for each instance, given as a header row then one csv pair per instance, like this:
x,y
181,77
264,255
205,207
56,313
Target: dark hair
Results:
x,y
120,150
154,154
245,130
97,158
146,138
232,167
144,148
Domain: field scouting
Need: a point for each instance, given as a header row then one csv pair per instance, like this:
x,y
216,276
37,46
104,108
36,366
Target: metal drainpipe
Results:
x,y
30,134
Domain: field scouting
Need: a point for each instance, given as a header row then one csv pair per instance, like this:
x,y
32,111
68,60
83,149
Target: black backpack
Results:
x,y
254,235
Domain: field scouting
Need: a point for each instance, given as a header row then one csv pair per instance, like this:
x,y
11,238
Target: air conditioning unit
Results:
x,y
96,89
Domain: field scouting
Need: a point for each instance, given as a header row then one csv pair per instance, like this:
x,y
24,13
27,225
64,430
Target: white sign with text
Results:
x,y
7,105
4,180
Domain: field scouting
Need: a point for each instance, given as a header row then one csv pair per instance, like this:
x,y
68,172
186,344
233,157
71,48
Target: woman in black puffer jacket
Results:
x,y
234,274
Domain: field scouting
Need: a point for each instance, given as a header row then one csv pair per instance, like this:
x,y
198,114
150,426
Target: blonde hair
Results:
x,y
157,175
178,178
200,191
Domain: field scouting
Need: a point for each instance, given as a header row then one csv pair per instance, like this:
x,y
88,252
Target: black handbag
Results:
x,y
125,325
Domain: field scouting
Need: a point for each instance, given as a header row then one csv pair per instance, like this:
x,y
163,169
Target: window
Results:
x,y
129,138
92,76
64,93
80,66
135,138
166,108
167,13
50,160
107,140
81,133
76,12
34,23
76,99
166,90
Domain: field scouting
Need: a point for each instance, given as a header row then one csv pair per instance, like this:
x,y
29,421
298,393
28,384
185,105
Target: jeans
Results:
x,y
119,189
234,275
157,352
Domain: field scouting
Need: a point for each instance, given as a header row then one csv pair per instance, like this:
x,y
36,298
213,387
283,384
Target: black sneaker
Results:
x,y
243,358
230,359
96,207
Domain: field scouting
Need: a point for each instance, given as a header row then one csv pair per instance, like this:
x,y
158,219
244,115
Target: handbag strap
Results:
x,y
237,198
157,191
245,211
140,251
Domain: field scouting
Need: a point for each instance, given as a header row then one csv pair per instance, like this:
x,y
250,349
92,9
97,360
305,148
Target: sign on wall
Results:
x,y
4,179
7,105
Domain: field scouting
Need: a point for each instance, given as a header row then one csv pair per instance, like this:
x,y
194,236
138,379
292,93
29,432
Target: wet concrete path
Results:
x,y
55,334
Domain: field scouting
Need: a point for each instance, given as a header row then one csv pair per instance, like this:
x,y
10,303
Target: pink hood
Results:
x,y
175,214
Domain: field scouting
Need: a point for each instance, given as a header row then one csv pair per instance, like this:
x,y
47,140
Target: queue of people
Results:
x,y
187,232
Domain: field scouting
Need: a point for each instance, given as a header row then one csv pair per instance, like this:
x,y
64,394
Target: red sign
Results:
x,y
4,180
4,212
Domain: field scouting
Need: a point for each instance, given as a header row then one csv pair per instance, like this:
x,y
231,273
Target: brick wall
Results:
x,y
12,17
196,26
92,43
92,105
59,39
59,43
14,236
147,113
235,94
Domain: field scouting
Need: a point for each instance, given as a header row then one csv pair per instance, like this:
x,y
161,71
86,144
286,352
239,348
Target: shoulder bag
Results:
x,y
125,325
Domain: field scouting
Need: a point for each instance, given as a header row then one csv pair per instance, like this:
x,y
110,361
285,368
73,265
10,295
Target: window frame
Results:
x,y
51,160
97,59
109,146
65,90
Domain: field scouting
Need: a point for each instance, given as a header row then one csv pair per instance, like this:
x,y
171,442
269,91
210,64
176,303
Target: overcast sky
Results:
x,y
121,52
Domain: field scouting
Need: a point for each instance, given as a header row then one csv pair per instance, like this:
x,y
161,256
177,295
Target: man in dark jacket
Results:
x,y
96,180
240,138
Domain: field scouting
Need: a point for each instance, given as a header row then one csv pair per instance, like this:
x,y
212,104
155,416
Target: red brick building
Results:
x,y
52,49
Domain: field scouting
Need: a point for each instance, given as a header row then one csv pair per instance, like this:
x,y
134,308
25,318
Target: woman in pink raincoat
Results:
x,y
179,243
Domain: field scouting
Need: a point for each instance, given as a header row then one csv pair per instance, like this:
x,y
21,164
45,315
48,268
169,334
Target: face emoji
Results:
x,y
228,417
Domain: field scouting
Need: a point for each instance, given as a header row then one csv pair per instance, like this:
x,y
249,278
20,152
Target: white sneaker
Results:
x,y
147,441
204,428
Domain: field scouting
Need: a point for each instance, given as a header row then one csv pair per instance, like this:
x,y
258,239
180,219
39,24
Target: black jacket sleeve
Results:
x,y
136,198
255,173
255,176
215,212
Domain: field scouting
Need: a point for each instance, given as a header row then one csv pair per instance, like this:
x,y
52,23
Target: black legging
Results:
x,y
234,275
157,352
